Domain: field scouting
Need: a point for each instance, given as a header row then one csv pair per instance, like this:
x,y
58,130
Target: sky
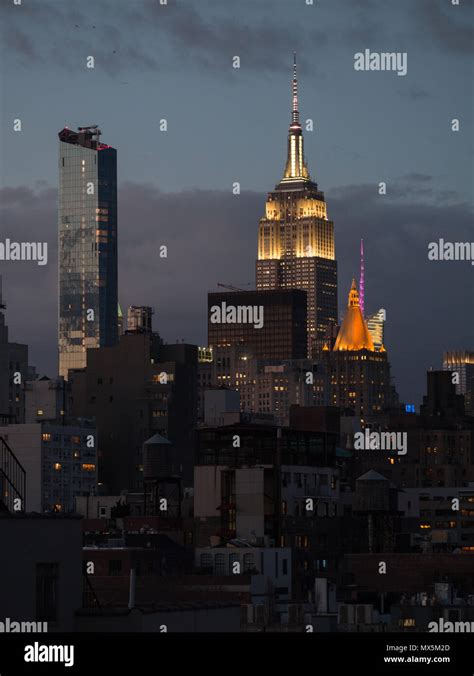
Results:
x,y
174,61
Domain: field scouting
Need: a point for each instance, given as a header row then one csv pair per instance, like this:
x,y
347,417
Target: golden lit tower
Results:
x,y
296,239
358,372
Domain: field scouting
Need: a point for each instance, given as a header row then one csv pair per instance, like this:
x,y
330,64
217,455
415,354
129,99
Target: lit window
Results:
x,y
57,466
407,622
88,467
40,411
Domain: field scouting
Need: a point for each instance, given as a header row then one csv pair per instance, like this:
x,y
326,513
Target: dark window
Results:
x,y
47,576
115,566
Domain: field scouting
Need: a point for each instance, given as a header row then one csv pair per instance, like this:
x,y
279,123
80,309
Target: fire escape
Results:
x,y
12,481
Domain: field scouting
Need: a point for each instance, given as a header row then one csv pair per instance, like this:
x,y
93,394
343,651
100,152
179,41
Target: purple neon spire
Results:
x,y
361,279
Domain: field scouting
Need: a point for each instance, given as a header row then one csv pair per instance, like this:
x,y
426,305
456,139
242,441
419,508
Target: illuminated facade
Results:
x,y
139,319
376,326
296,239
462,363
87,224
60,462
354,334
358,373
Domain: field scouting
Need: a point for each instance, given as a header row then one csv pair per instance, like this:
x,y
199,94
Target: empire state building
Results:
x,y
296,239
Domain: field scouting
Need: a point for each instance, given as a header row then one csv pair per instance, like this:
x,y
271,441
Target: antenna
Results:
x,y
361,278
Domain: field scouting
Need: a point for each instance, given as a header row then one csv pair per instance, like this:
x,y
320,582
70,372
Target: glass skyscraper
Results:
x,y
87,224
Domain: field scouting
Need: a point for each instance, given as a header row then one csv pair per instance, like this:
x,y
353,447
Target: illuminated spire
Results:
x,y
354,334
295,169
361,278
295,118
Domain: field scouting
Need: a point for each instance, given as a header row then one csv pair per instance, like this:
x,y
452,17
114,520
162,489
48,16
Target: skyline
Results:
x,y
236,328
161,207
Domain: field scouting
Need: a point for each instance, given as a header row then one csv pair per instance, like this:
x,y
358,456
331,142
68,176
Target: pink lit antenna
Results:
x,y
361,279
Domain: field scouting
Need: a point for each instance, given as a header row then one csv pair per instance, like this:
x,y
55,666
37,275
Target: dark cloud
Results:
x,y
30,291
119,35
211,237
63,34
146,36
451,26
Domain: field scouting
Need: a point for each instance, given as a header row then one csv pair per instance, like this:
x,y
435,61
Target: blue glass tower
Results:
x,y
87,247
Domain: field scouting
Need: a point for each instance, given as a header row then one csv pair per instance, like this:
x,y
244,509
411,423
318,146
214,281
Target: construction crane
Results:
x,y
232,288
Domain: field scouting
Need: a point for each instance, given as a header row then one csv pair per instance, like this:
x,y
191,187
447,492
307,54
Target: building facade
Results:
x,y
358,374
133,390
275,330
296,239
376,326
461,365
60,463
87,224
47,399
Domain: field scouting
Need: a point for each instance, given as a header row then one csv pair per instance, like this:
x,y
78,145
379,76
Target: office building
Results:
x,y
134,390
87,223
376,326
60,463
139,319
462,363
296,238
47,399
358,374
269,324
268,487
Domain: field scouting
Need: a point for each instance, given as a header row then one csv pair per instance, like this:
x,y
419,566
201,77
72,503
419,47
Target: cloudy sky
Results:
x,y
174,61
